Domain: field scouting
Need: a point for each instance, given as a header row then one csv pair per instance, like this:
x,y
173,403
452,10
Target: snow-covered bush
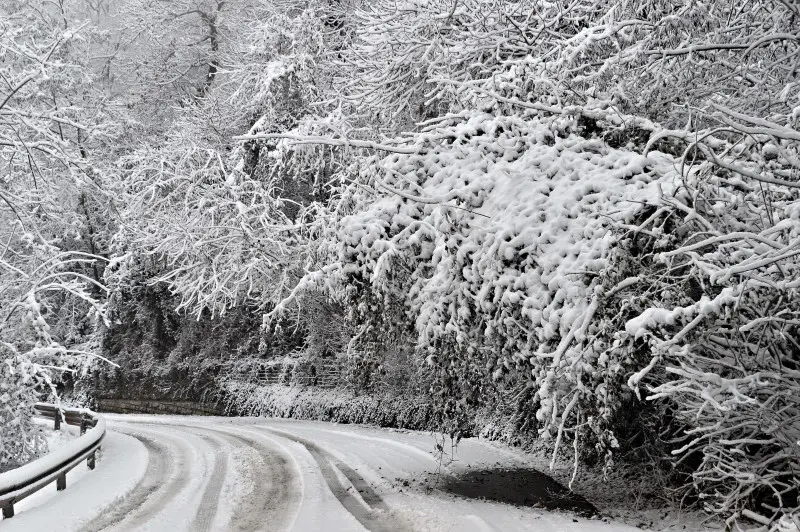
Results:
x,y
724,329
337,405
20,384
598,207
492,241
586,207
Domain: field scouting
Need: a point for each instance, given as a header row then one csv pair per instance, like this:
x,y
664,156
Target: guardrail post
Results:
x,y
8,510
14,489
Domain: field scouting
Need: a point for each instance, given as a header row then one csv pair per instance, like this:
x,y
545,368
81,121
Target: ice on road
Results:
x,y
174,473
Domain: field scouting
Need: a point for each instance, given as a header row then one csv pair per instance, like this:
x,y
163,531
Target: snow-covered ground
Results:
x,y
57,438
202,473
121,466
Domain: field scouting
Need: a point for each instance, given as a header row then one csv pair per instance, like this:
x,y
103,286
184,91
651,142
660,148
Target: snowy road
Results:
x,y
202,474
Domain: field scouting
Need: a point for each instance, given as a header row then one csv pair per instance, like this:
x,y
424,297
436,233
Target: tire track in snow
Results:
x,y
407,448
274,500
374,516
269,502
204,519
276,495
164,478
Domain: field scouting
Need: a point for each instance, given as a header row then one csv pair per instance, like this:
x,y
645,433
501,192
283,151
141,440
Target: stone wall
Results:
x,y
156,406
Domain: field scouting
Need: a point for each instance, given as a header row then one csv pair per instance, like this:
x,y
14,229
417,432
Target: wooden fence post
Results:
x,y
57,417
61,482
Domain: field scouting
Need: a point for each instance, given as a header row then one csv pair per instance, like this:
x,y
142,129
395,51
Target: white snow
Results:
x,y
15,477
120,466
57,438
390,461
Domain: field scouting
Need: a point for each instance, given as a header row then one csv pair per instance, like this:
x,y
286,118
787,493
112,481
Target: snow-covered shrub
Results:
x,y
593,214
491,242
336,405
20,383
599,219
723,331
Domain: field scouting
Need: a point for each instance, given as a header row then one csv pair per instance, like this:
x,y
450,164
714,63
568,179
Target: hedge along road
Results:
x,y
177,473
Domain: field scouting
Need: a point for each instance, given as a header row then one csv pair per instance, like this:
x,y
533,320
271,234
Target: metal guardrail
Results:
x,y
23,481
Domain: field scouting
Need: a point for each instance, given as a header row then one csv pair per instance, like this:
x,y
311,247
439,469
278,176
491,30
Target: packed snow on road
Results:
x,y
176,473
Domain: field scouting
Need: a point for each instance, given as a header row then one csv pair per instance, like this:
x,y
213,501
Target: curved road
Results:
x,y
235,477
247,474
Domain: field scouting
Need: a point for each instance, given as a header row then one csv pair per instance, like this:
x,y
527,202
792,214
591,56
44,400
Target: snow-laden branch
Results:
x,y
349,143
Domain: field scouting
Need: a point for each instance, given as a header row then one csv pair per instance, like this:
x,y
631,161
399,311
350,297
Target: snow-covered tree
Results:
x,y
588,207
229,220
50,193
597,204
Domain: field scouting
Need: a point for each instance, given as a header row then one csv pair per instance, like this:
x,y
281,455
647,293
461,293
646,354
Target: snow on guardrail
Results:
x,y
23,481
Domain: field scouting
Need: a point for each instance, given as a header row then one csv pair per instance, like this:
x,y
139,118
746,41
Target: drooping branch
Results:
x,y
329,141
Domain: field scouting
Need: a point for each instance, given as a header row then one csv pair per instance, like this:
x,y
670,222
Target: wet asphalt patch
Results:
x,y
520,487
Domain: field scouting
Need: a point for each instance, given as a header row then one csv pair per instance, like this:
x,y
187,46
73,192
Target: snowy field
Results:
x,y
202,473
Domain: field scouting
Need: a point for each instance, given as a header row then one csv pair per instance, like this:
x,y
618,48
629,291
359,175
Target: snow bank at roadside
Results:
x,y
57,438
120,466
